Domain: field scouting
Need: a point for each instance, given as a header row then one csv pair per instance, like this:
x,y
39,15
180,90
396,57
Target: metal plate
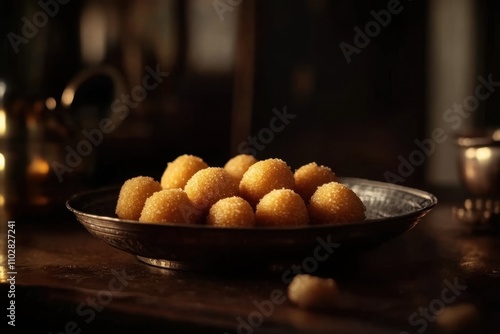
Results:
x,y
391,211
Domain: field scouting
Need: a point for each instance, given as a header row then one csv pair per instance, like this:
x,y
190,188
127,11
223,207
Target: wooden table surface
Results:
x,y
70,282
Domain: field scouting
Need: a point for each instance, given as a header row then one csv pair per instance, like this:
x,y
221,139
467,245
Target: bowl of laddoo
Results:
x,y
246,211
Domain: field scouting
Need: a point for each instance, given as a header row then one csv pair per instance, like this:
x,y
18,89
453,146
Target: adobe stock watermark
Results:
x,y
372,29
30,28
88,308
121,109
454,118
266,135
265,308
223,6
420,320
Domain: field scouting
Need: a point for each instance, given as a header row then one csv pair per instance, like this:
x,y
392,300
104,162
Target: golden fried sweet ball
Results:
x,y
281,207
169,206
231,211
264,176
309,177
238,165
179,171
208,186
312,292
133,194
335,203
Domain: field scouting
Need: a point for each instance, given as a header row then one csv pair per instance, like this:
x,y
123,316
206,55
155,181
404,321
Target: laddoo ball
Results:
x,y
281,207
309,177
263,177
335,203
238,165
208,186
230,212
169,206
312,292
133,194
179,171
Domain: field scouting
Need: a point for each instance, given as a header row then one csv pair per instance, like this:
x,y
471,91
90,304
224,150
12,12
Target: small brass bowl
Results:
x,y
479,163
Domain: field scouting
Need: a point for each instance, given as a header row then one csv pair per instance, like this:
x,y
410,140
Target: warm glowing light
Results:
x,y
483,153
496,135
3,267
3,88
51,103
3,122
470,153
67,96
2,161
38,166
2,200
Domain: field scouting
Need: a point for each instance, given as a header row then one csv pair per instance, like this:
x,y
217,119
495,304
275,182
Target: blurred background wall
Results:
x,y
356,85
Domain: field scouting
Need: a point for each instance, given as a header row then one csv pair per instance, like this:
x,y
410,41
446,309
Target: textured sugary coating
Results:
x,y
169,206
309,177
231,211
179,171
281,207
133,194
335,203
208,186
238,165
311,292
263,177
